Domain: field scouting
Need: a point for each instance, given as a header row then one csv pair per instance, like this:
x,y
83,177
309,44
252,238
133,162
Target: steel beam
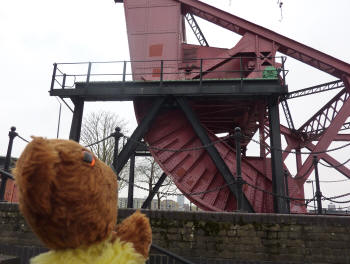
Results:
x,y
212,151
331,161
291,139
278,184
196,29
319,122
147,202
315,89
342,137
287,114
326,138
287,46
139,132
125,91
77,119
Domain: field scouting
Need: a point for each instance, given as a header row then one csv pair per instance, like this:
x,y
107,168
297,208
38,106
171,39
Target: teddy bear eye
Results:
x,y
89,158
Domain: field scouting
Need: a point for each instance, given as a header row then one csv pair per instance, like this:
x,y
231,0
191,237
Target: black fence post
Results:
x,y
53,76
287,190
131,182
161,72
12,135
64,80
117,135
239,179
318,189
124,71
88,73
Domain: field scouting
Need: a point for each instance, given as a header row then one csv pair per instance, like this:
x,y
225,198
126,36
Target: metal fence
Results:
x,y
66,75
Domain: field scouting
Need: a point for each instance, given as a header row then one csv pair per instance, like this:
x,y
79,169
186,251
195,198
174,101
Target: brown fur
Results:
x,y
138,224
67,202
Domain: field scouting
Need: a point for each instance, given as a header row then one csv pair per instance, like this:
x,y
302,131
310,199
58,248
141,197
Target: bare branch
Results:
x,y
97,126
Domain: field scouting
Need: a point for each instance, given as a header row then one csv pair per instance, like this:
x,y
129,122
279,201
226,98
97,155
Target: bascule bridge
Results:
x,y
188,96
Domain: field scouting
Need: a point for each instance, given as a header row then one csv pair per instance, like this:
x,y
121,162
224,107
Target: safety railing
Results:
x,y
66,75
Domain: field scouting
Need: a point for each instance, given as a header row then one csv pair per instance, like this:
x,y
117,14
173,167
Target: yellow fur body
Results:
x,y
104,252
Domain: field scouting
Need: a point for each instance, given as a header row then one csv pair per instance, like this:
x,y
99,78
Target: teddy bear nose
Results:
x,y
89,158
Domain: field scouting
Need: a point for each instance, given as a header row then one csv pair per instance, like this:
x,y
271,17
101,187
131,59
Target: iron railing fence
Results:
x,y
66,75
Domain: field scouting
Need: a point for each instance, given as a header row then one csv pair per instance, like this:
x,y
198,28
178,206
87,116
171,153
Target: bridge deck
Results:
x,y
130,90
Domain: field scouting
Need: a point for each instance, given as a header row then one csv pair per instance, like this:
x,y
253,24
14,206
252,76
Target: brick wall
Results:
x,y
226,237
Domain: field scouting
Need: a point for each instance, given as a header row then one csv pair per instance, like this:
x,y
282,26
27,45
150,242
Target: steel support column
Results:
x,y
278,185
75,128
212,151
147,202
136,136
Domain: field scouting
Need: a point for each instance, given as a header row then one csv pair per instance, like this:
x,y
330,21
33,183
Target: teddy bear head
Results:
x,y
67,195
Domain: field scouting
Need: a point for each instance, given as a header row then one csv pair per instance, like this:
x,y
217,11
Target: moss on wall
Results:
x,y
226,236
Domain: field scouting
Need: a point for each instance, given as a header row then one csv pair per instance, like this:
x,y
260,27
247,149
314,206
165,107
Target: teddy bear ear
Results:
x,y
34,173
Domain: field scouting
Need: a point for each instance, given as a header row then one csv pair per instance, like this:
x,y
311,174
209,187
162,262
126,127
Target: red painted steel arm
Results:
x,y
289,136
286,131
327,138
319,122
327,158
285,45
342,137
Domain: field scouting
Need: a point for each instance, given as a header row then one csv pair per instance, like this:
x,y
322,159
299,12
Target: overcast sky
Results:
x,y
35,34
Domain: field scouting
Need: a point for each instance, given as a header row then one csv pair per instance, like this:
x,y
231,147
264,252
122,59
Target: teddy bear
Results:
x,y
69,199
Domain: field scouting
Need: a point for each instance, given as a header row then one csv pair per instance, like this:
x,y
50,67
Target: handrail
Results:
x,y
66,75
171,60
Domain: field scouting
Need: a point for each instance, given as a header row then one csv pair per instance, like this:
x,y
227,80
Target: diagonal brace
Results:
x,y
149,199
139,132
196,29
212,151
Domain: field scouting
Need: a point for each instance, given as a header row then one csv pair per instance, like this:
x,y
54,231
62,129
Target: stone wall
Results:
x,y
226,237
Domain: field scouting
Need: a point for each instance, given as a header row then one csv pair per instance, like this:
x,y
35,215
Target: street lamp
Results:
x,y
313,193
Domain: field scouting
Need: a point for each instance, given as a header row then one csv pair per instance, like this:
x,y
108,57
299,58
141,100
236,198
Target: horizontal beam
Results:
x,y
127,91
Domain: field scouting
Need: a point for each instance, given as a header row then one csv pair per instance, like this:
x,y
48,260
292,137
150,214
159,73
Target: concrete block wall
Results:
x,y
222,238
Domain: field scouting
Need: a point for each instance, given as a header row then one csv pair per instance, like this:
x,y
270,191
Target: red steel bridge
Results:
x,y
186,96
